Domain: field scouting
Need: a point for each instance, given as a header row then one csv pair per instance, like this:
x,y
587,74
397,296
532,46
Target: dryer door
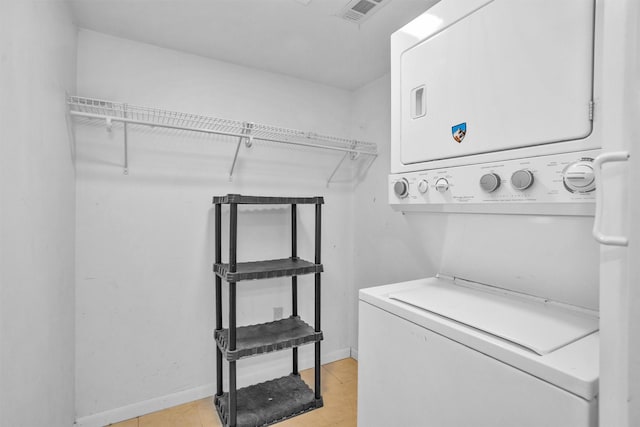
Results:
x,y
512,74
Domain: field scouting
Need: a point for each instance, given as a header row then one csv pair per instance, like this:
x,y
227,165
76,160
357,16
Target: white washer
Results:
x,y
444,352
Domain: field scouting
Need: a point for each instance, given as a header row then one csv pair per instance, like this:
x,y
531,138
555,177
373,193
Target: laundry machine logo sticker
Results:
x,y
459,131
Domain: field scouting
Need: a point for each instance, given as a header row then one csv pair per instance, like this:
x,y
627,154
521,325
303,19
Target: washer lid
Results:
x,y
537,325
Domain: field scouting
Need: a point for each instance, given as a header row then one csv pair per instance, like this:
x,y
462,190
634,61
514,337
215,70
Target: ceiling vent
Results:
x,y
357,11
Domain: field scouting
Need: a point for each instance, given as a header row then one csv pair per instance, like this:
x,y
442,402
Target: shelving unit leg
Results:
x,y
233,239
317,387
232,346
233,401
294,280
218,259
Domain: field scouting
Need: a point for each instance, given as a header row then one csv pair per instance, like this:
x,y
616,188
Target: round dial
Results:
x,y
442,185
401,188
579,177
490,182
423,186
522,179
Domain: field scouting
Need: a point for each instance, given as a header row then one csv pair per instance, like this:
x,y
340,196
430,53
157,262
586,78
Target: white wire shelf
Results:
x,y
109,111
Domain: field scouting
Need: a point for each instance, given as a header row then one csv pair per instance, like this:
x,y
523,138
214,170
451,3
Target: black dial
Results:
x,y
490,182
401,188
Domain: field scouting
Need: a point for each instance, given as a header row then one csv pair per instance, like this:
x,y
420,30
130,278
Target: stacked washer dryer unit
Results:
x,y
493,125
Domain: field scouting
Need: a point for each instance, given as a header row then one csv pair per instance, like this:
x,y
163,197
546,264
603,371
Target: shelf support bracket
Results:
x,y
248,126
71,132
126,142
246,130
354,154
338,167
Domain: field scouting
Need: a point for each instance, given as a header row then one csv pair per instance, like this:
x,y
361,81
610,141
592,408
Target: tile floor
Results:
x,y
339,392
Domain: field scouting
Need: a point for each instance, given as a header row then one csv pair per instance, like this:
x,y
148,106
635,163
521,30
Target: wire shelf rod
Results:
x,y
159,116
104,116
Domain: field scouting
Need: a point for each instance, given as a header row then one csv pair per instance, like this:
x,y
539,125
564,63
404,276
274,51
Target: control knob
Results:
x,y
490,182
522,179
401,188
442,185
578,177
423,186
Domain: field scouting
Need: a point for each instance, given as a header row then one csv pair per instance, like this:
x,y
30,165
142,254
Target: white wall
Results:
x,y
387,248
37,63
145,290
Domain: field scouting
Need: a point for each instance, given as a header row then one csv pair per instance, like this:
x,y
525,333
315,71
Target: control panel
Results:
x,y
560,184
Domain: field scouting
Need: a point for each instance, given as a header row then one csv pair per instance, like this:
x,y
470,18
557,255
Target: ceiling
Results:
x,y
299,38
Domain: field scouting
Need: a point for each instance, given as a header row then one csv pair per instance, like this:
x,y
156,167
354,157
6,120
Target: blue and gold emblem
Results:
x,y
459,131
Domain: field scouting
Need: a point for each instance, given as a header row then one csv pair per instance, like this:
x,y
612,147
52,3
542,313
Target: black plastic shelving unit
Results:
x,y
281,398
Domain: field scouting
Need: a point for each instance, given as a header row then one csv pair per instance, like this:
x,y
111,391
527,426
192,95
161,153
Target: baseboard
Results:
x,y
354,353
145,407
163,402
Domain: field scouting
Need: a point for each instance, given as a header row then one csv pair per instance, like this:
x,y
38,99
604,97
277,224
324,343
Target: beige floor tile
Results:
x,y
331,385
345,369
207,411
315,418
186,415
339,393
308,376
128,423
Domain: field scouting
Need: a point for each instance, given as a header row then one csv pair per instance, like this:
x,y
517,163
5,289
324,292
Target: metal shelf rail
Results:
x,y
246,132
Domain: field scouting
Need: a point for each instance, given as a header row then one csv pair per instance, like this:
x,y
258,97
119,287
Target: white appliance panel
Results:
x,y
573,368
411,376
554,257
535,324
547,194
516,73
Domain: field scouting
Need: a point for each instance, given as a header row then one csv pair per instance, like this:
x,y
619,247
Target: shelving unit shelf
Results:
x,y
266,269
267,337
280,393
281,398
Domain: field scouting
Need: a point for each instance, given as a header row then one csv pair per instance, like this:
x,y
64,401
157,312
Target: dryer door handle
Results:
x,y
616,156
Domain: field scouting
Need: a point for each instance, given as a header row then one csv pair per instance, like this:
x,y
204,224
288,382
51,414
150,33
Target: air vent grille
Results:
x,y
363,6
359,10
351,15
